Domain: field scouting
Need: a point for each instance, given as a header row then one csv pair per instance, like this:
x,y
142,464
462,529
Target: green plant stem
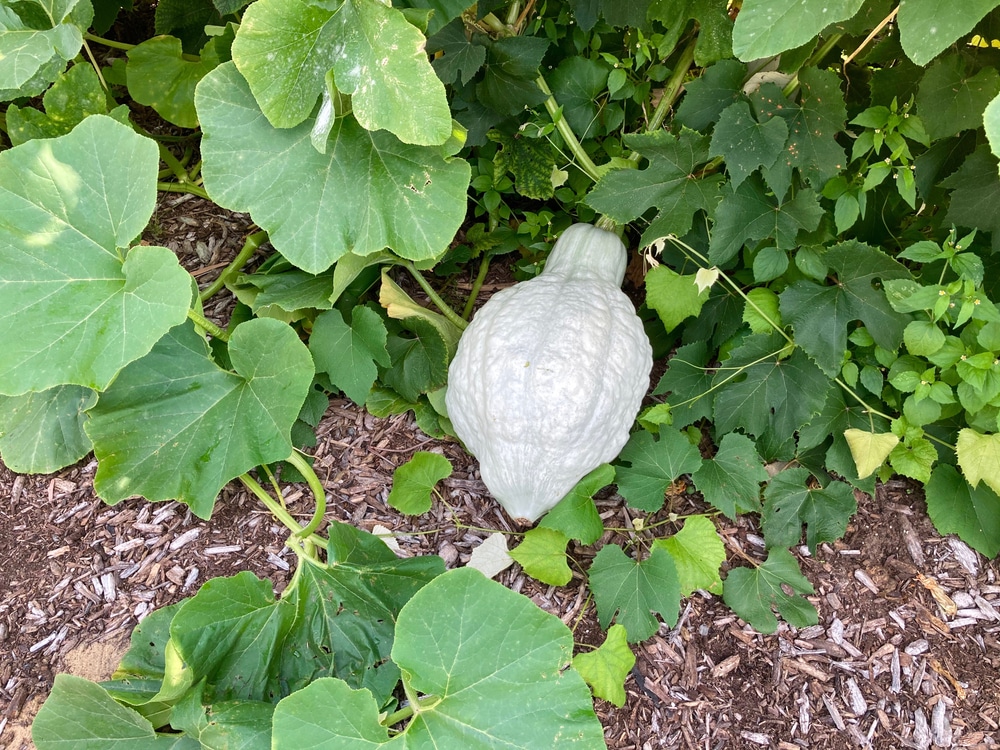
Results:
x,y
818,55
441,305
513,12
253,242
108,42
272,505
203,322
174,164
316,487
477,284
398,716
671,91
572,142
182,187
97,68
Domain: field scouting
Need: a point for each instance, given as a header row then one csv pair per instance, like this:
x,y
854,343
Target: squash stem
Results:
x,y
572,142
316,487
202,322
477,284
671,91
441,305
253,242
185,187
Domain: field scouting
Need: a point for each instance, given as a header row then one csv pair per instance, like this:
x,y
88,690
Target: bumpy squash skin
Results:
x,y
549,376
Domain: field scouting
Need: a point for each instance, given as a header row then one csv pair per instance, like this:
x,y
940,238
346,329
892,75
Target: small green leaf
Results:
x,y
979,457
576,515
542,554
752,592
630,591
414,482
607,667
698,553
731,480
762,302
530,160
647,467
923,338
674,297
957,508
790,502
914,458
869,449
577,83
769,264
991,121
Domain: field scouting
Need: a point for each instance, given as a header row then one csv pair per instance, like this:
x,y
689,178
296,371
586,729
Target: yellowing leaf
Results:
x,y
705,278
869,449
542,554
491,557
698,553
979,457
606,668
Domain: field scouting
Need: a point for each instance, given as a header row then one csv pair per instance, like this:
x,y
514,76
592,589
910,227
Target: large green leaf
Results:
x,y
43,432
951,100
37,39
578,83
337,621
706,97
957,508
176,426
493,668
647,466
667,184
790,502
745,143
367,192
284,49
765,394
629,591
812,147
688,381
765,28
752,592
749,213
78,305
926,31
731,480
159,77
821,313
81,715
975,192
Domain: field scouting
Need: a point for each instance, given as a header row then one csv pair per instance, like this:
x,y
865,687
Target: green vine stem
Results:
x,y
253,242
108,42
274,507
182,187
202,322
477,284
572,142
316,487
671,91
174,164
441,305
97,68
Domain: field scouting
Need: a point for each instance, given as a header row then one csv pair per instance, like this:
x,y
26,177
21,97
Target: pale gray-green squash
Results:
x,y
549,376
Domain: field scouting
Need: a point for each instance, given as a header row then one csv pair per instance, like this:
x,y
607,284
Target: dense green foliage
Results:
x,y
813,192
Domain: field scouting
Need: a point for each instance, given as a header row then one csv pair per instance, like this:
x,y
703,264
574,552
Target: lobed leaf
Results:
x,y
629,591
413,483
752,592
698,553
608,666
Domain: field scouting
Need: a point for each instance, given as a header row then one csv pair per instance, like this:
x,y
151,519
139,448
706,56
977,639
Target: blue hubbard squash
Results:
x,y
549,376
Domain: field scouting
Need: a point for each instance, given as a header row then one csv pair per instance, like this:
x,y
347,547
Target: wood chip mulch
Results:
x,y
906,653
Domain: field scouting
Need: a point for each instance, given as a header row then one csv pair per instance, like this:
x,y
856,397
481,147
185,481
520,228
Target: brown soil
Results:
x,y
886,667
